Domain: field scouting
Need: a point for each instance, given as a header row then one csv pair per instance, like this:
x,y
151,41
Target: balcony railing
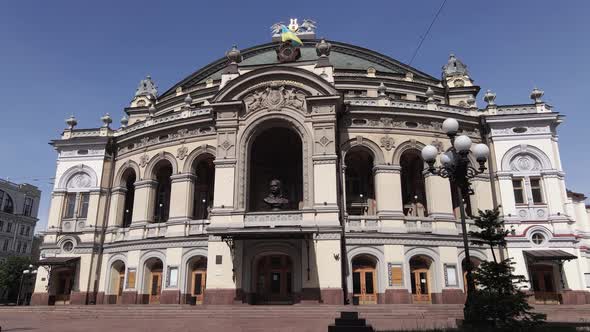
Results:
x,y
418,224
363,224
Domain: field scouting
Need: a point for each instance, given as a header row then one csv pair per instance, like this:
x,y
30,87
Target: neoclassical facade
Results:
x,y
289,174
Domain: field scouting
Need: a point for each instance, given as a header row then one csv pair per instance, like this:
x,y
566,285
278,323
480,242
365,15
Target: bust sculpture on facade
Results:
x,y
275,199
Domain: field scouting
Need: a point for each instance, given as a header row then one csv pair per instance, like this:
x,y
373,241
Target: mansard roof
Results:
x,y
342,56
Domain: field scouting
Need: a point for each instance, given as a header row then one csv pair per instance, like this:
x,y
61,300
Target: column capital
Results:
x,y
145,184
183,177
396,169
119,190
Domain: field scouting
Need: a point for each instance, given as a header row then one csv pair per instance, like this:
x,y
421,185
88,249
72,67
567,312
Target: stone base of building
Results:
x,y
78,298
397,296
129,298
575,297
100,298
453,296
170,297
331,296
221,296
40,299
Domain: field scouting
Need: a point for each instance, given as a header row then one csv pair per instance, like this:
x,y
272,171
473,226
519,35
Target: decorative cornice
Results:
x,y
396,169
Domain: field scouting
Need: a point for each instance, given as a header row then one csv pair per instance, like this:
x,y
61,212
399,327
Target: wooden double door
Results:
x,y
543,282
120,284
420,283
199,280
65,281
274,280
155,286
363,284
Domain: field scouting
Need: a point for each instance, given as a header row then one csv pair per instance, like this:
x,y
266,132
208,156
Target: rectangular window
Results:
x,y
70,205
24,248
9,228
28,231
84,198
28,208
518,191
22,229
6,244
536,191
1,225
172,277
18,247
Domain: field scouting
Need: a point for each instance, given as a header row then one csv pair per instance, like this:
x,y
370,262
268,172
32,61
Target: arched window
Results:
x,y
360,188
413,186
8,204
204,171
129,178
163,171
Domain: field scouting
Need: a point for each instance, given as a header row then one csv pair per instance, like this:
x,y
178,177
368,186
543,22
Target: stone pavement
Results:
x,y
176,318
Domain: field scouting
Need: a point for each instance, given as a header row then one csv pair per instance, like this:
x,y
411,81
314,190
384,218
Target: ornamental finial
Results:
x,y
152,110
106,120
323,48
71,122
234,55
430,94
490,98
188,99
536,95
124,121
382,90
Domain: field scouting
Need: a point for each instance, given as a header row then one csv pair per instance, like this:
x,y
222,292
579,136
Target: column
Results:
x,y
172,270
327,249
482,199
143,204
439,204
181,197
117,206
388,192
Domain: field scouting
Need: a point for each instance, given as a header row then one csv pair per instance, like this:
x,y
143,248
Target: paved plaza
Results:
x,y
176,318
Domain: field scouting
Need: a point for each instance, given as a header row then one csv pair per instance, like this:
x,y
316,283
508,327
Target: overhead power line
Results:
x,y
427,32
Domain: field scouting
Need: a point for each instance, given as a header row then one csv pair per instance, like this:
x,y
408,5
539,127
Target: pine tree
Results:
x,y
498,302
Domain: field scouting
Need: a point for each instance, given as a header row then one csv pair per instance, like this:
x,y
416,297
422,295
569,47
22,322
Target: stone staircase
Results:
x,y
301,317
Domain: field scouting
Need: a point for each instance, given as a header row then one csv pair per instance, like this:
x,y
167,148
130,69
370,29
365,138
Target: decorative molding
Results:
x,y
181,152
387,142
143,160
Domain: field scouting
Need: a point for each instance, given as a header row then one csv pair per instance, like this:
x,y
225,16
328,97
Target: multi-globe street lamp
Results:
x,y
457,167
24,273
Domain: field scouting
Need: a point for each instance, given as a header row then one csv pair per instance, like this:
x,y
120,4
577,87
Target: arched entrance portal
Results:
x,y
197,279
364,279
153,280
420,279
276,153
274,279
117,282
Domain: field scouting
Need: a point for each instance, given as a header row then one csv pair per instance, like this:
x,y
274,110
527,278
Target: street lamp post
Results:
x,y
457,167
22,277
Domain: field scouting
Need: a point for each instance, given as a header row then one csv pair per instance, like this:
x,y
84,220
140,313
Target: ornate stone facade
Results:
x,y
174,190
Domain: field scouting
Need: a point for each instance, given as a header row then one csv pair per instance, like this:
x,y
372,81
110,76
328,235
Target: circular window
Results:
x,y
538,238
67,246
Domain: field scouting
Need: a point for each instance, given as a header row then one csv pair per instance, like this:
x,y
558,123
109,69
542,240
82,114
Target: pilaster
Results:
x,y
143,203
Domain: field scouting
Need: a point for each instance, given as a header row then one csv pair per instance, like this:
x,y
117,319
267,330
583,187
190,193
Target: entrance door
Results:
x,y
120,284
274,280
544,284
198,286
155,287
420,286
363,285
64,287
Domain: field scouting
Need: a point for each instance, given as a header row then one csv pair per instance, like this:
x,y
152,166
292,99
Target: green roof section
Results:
x,y
342,56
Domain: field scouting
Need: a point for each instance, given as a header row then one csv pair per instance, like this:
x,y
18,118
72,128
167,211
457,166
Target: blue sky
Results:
x,y
86,58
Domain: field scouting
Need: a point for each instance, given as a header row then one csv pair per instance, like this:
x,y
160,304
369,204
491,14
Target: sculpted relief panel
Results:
x,y
274,96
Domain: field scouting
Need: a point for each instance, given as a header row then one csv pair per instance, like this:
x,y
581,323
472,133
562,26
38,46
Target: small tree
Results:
x,y
11,270
498,302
